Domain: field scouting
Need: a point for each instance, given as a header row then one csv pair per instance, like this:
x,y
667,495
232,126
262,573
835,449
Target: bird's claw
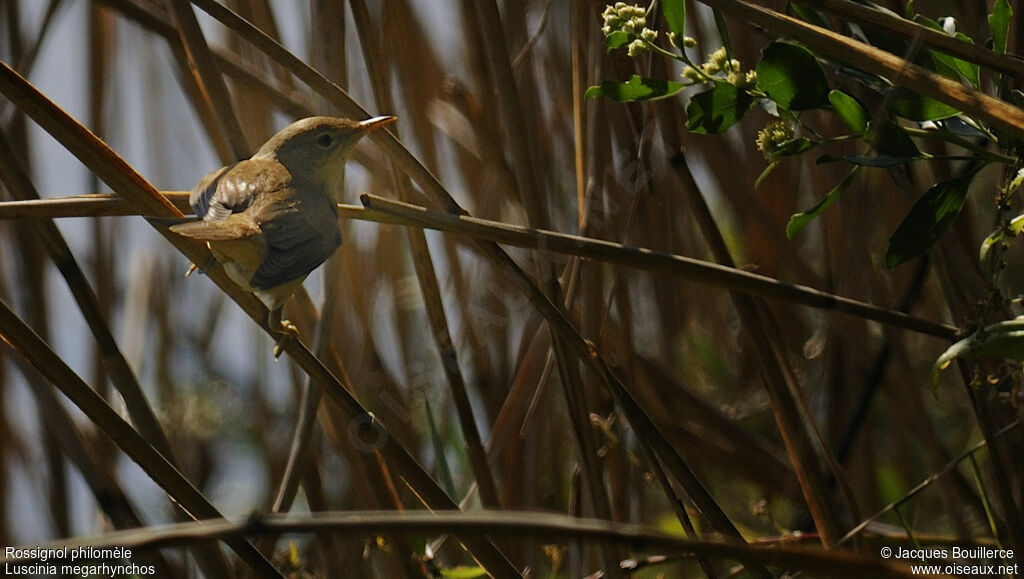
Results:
x,y
285,333
192,268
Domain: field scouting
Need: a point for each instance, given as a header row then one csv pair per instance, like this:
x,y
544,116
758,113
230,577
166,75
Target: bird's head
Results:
x,y
315,149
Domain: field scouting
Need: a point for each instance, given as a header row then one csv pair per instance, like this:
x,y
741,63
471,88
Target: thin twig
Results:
x,y
925,483
546,526
382,210
694,270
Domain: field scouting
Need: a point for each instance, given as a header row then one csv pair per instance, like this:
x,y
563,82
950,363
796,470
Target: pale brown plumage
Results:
x,y
272,219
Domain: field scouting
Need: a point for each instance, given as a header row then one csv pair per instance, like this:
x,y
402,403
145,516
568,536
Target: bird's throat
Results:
x,y
330,177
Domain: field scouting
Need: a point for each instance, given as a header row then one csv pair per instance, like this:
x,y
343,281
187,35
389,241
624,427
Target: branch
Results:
x,y
381,210
540,526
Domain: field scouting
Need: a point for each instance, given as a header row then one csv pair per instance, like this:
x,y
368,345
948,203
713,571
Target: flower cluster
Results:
x,y
720,65
688,41
774,135
632,20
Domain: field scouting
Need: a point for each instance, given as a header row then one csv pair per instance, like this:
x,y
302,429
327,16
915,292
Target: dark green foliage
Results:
x,y
928,219
790,75
675,16
850,111
717,109
636,88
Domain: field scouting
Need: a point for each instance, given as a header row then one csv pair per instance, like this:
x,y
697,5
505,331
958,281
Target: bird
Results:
x,y
272,219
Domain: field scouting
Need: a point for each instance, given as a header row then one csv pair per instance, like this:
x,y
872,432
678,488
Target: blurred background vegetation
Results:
x,y
616,389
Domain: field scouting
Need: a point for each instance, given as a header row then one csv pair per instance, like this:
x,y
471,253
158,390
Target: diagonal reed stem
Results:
x,y
120,176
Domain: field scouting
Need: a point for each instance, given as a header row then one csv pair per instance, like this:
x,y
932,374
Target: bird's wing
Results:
x,y
257,198
231,189
298,241
222,197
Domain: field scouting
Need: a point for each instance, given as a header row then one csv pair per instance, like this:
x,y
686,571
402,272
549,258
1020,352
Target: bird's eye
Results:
x,y
324,140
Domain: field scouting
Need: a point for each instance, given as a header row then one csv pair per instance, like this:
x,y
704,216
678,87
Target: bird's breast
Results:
x,y
241,257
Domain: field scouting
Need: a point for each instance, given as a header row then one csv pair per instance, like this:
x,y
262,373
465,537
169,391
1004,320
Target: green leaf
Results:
x,y
463,572
969,71
928,219
957,68
809,15
616,40
723,30
792,147
917,107
1013,229
946,65
717,109
999,24
884,37
799,220
888,138
877,161
790,75
675,16
637,88
849,110
1004,339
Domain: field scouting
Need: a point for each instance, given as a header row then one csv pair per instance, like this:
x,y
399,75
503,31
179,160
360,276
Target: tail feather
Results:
x,y
233,227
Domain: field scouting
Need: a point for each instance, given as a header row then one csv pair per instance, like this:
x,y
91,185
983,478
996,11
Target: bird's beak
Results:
x,y
376,123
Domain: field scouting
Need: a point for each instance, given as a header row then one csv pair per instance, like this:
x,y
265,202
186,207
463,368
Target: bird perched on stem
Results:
x,y
271,219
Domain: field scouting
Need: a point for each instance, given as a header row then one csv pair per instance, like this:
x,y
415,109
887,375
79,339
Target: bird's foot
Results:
x,y
286,332
192,268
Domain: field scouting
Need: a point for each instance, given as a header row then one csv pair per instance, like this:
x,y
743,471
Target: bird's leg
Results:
x,y
283,330
192,268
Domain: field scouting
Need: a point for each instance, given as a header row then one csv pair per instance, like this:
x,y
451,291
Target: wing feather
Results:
x,y
298,241
237,226
298,230
232,189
